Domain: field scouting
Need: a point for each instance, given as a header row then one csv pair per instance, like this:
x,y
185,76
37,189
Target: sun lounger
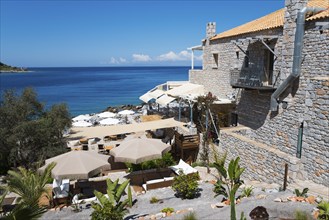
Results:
x,y
61,190
184,167
73,144
158,183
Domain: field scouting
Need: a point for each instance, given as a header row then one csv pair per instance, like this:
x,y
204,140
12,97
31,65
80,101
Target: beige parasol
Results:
x,y
78,164
139,149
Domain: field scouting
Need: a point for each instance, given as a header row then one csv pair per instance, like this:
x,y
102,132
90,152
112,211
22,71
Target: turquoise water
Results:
x,y
91,89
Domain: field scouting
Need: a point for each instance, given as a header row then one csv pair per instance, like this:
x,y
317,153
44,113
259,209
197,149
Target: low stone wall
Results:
x,y
262,162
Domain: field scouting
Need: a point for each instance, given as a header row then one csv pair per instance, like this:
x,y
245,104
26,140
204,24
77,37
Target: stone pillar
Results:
x,y
211,29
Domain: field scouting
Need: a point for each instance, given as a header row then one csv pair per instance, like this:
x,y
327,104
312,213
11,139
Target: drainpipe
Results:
x,y
297,59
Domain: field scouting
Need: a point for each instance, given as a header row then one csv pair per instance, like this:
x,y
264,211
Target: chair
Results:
x,y
101,148
61,191
85,147
85,188
184,167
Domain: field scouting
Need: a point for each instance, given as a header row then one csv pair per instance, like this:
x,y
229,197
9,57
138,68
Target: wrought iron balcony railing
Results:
x,y
248,80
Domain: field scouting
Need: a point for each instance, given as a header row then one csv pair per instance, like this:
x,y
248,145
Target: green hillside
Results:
x,y
7,68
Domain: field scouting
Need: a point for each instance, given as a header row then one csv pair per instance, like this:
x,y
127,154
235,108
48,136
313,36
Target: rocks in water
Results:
x,y
259,213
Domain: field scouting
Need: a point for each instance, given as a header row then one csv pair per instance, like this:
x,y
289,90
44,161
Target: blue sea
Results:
x,y
91,89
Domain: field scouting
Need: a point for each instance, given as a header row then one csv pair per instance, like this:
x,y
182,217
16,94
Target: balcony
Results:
x,y
247,79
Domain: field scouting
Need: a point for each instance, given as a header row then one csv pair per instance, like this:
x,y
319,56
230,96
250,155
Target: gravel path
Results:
x,y
202,205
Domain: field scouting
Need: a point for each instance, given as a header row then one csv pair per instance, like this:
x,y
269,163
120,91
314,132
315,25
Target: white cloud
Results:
x,y
115,61
141,58
172,56
199,58
122,60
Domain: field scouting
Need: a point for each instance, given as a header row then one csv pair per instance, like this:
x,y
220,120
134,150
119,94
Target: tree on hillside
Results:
x,y
28,132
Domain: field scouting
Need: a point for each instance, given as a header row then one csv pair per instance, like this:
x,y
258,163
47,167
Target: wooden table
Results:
x,y
84,140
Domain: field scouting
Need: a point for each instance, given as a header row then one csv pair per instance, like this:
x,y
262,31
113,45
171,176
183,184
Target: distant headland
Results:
x,y
7,68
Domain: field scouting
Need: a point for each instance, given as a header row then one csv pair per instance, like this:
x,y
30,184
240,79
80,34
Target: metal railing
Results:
x,y
246,78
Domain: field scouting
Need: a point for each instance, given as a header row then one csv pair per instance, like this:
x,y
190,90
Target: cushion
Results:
x,y
168,178
57,183
154,181
184,167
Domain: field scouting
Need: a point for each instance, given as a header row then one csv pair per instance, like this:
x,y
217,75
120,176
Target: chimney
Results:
x,y
211,29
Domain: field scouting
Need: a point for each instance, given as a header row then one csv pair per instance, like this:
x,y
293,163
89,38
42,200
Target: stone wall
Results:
x,y
262,162
215,76
280,130
307,102
315,153
215,82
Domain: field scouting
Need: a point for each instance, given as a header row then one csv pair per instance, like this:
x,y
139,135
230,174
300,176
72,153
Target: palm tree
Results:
x,y
110,206
30,186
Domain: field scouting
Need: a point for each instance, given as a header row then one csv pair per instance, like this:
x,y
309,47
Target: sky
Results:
x,y
82,33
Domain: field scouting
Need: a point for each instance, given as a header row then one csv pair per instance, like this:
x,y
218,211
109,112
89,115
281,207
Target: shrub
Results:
x,y
242,217
111,206
229,181
166,161
302,215
186,186
301,194
323,210
247,191
200,164
154,200
190,216
168,209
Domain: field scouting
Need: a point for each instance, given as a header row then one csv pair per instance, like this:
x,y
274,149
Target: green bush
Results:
x,y
302,215
154,200
168,209
186,186
196,164
110,206
323,210
247,191
190,216
166,161
229,181
301,194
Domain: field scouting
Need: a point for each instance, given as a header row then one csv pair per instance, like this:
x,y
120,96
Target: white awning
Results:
x,y
101,131
156,93
146,97
153,94
164,100
187,89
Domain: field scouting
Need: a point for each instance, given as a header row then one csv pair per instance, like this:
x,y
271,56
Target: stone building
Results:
x,y
277,68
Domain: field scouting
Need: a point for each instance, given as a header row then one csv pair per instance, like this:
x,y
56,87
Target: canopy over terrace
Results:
x,y
100,131
164,97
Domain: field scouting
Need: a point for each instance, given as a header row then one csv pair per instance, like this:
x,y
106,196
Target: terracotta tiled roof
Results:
x,y
323,14
272,20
